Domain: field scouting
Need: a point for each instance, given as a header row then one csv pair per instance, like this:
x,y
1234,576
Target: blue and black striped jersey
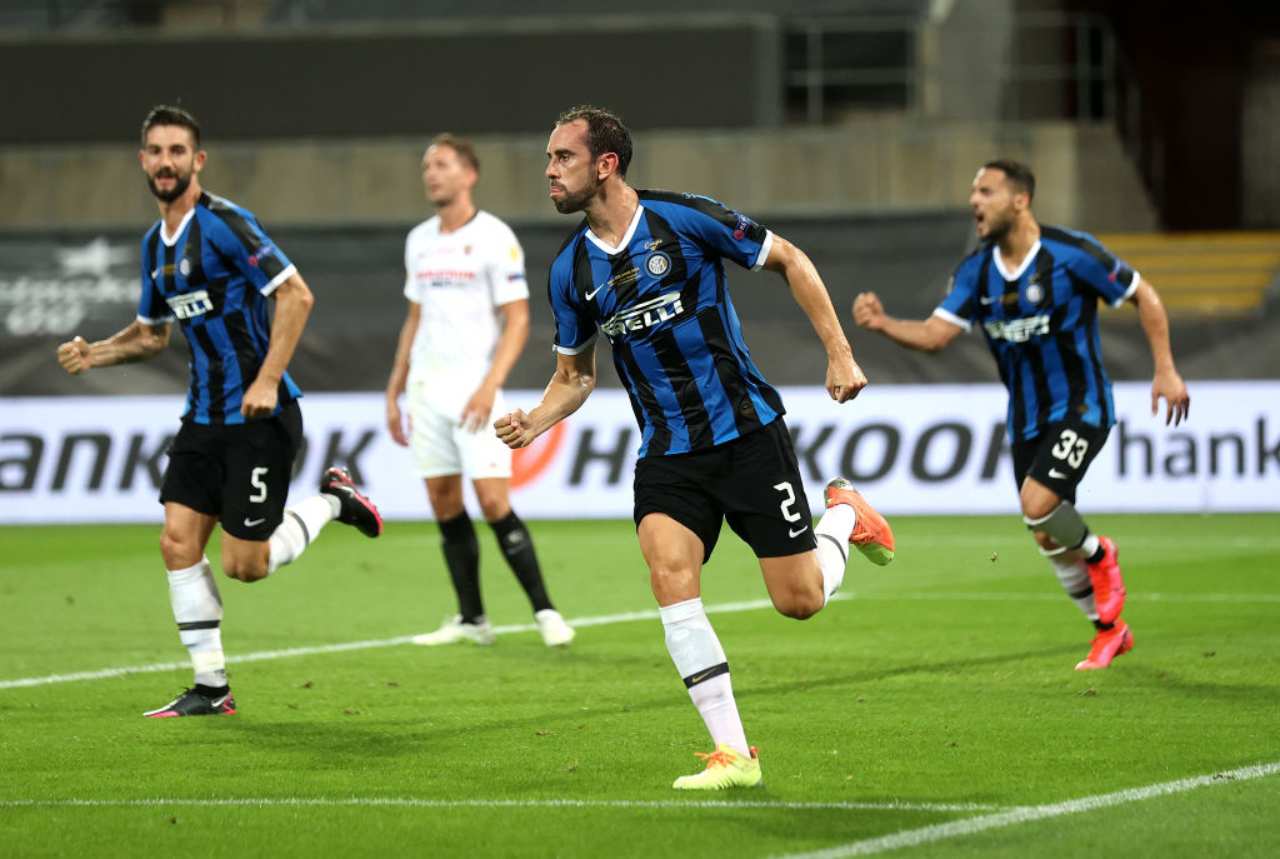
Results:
x,y
661,299
214,277
1041,323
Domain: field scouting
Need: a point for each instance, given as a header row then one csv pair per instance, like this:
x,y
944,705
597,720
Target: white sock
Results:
x,y
301,524
698,657
833,531
1090,545
1074,577
197,609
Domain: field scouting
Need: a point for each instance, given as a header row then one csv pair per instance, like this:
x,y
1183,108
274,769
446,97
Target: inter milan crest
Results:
x,y
1035,292
658,264
185,267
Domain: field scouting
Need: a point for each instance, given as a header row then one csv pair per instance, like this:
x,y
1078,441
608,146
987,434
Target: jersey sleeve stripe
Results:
x,y
765,247
575,350
943,313
275,282
1128,293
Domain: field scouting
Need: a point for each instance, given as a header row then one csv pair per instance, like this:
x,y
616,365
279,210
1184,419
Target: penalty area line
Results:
x,y
1029,814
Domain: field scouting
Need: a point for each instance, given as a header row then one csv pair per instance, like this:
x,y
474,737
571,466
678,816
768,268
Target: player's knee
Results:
x,y
178,550
244,570
1037,505
494,507
671,581
800,603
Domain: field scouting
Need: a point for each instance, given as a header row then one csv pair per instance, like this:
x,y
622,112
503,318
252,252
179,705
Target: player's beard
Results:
x,y
180,185
998,226
570,203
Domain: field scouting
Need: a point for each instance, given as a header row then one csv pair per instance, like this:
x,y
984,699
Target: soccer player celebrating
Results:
x,y
467,322
645,267
208,264
1034,290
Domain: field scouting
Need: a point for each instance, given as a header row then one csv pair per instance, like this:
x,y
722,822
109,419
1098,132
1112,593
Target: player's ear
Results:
x,y
198,162
606,165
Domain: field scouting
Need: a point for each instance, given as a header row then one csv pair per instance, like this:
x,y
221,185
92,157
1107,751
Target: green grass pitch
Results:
x,y
940,691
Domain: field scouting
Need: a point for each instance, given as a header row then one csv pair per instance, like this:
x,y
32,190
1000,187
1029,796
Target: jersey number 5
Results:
x,y
256,481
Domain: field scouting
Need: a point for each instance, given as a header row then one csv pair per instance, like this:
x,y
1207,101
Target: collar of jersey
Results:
x,y
182,225
626,238
1026,261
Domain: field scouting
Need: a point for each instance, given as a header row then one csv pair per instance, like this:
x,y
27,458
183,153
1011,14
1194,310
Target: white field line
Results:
x,y
608,619
411,802
1049,596
1029,814
342,647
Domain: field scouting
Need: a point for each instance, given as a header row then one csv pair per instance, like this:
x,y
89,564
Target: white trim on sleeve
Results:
x,y
943,313
574,350
289,272
765,247
161,321
1128,293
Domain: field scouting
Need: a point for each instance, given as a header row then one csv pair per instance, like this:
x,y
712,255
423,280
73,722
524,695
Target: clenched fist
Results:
x,y
514,430
74,356
868,312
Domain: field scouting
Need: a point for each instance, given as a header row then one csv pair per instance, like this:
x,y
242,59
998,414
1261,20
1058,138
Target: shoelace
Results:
x,y
718,758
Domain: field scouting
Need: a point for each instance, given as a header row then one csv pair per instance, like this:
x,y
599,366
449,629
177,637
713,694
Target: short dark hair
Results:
x,y
164,114
605,133
465,148
1016,173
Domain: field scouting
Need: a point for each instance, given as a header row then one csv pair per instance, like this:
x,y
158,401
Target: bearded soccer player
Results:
x,y
646,268
208,264
1034,290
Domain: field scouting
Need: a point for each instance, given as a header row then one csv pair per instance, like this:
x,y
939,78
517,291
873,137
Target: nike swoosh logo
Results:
x,y
984,300
1055,473
797,532
250,523
592,293
698,678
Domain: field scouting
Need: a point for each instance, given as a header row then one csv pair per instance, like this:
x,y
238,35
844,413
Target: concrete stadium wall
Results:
x,y
888,165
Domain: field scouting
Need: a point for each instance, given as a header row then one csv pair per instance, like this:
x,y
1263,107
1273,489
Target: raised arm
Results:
x,y
927,335
138,342
1167,383
572,382
293,305
844,377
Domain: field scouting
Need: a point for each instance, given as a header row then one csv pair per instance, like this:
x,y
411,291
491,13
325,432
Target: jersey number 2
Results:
x,y
787,513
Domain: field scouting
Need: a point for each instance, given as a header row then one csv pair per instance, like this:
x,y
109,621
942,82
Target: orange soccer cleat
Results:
x,y
1108,585
871,533
1107,645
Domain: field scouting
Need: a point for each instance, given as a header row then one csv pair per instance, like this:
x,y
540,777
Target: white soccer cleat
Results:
x,y
555,632
454,631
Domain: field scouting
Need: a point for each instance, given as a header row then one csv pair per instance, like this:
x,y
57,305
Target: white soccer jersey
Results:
x,y
459,279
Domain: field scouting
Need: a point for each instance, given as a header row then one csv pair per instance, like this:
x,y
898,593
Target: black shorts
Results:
x,y
1059,456
753,482
239,473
